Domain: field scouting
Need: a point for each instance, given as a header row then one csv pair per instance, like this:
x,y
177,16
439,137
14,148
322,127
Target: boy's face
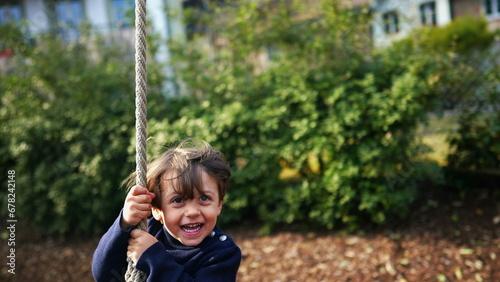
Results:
x,y
190,221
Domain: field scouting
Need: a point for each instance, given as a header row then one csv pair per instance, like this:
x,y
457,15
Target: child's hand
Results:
x,y
139,242
137,206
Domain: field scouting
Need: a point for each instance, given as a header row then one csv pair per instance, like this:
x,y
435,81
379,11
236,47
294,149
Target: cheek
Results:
x,y
172,220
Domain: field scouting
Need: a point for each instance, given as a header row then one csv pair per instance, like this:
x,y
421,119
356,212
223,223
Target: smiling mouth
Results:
x,y
191,228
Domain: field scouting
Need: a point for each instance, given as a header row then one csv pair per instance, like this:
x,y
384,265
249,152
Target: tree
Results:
x,y
67,115
321,130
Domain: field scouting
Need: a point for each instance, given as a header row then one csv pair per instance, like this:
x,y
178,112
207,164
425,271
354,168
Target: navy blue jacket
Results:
x,y
216,258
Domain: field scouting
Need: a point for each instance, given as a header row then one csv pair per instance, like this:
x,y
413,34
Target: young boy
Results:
x,y
186,188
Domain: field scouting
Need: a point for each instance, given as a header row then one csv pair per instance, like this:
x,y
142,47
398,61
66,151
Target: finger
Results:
x,y
132,207
141,206
144,198
139,215
138,190
134,234
139,212
130,246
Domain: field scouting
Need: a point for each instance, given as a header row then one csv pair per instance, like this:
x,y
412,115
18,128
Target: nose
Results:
x,y
192,209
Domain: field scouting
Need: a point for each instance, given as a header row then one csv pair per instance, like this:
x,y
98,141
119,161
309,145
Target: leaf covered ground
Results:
x,y
444,239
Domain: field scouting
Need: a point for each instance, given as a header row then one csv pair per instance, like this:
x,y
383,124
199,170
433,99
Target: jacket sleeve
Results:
x,y
109,262
219,265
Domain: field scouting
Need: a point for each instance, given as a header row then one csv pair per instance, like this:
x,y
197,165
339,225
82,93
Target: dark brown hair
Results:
x,y
183,166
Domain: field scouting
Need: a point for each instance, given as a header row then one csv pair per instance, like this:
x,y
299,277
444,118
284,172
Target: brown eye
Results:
x,y
177,200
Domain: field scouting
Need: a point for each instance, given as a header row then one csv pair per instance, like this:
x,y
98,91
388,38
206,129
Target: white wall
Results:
x,y
443,11
409,17
96,12
166,27
36,15
403,8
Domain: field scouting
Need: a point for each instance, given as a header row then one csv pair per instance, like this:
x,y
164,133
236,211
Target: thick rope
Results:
x,y
133,274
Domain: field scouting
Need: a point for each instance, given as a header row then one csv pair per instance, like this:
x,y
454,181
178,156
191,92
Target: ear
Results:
x,y
219,207
157,214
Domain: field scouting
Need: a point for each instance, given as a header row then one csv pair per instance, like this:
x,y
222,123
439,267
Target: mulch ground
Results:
x,y
444,239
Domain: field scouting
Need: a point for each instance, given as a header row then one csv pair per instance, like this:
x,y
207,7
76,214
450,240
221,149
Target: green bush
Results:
x,y
465,78
337,117
319,128
463,35
67,121
476,146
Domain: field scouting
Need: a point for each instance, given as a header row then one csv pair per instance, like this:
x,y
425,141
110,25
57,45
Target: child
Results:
x,y
184,193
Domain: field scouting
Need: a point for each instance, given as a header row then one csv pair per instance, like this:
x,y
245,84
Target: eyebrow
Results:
x,y
176,193
172,194
208,192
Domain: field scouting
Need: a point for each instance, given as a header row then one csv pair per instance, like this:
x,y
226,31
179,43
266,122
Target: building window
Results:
x,y
391,22
492,7
428,13
123,12
193,13
10,11
70,15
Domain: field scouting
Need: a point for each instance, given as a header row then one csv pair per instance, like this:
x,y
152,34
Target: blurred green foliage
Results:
x,y
297,87
476,146
464,35
67,120
319,126
468,80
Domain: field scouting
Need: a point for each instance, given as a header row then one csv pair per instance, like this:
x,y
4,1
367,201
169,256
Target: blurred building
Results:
x,y
394,19
64,17
113,18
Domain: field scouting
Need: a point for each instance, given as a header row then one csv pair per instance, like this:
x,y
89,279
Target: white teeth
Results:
x,y
191,227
